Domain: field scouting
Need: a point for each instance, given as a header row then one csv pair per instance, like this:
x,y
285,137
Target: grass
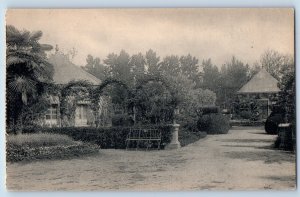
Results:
x,y
39,139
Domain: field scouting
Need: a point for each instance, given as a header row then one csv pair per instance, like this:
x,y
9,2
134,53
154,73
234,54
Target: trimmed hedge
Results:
x,y
25,153
105,137
186,137
210,110
214,124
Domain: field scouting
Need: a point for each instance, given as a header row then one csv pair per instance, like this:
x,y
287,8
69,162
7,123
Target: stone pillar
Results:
x,y
174,144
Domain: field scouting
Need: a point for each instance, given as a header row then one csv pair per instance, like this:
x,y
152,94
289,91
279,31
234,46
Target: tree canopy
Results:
x,y
28,71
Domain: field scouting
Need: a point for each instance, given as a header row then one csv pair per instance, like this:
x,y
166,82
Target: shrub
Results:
x,y
39,139
122,120
214,124
272,122
28,147
25,153
106,137
245,114
186,137
210,110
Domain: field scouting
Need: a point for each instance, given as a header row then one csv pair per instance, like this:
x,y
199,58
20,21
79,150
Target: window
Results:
x,y
51,113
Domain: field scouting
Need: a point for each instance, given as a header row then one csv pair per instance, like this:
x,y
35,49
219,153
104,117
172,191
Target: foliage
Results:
x,y
39,139
71,93
246,114
186,137
277,64
152,62
226,81
34,146
25,153
28,72
287,103
211,76
105,137
209,110
272,122
214,124
94,67
122,120
120,67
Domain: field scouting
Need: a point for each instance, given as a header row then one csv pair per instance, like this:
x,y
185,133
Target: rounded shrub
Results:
x,y
214,124
272,122
246,114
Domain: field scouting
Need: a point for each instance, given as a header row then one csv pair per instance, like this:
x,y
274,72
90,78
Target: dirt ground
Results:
x,y
240,160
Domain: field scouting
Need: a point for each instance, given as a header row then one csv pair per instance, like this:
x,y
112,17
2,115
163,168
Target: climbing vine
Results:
x,y
71,94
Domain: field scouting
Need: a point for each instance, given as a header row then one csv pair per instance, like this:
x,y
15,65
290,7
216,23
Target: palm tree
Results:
x,y
28,71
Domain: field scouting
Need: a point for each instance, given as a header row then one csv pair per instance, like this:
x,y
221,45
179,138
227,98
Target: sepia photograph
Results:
x,y
150,99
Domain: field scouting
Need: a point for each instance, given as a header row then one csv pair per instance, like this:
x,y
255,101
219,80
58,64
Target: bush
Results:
x,y
122,120
214,124
106,137
272,122
186,137
28,147
210,110
39,139
245,114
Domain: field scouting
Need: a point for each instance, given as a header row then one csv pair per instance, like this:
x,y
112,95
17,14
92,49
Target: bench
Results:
x,y
145,136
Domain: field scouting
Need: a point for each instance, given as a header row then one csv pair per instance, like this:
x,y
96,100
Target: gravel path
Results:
x,y
240,160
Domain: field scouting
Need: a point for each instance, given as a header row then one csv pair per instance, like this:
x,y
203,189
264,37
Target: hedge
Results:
x,y
214,124
105,137
25,153
186,137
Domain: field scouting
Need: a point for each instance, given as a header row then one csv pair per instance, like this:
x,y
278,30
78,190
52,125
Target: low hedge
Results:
x,y
214,124
186,137
105,137
25,153
39,139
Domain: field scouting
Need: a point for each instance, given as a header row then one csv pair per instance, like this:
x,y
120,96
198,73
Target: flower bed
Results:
x,y
28,147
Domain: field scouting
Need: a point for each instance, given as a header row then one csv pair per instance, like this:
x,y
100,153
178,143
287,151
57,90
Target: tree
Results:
x,y
120,67
170,65
277,64
189,68
233,76
152,62
211,75
137,65
94,67
28,72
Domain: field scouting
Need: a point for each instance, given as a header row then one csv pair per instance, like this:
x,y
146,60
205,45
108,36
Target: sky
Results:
x,y
215,33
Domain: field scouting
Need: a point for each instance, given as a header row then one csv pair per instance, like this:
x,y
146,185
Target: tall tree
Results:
x,y
211,75
277,64
233,76
28,71
170,65
189,68
152,62
94,67
137,65
120,67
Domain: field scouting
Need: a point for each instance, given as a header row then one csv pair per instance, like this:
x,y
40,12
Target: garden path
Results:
x,y
240,160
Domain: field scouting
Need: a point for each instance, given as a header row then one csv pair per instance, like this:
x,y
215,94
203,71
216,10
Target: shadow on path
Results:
x,y
266,156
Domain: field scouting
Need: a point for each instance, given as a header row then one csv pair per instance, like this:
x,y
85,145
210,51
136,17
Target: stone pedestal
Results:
x,y
174,144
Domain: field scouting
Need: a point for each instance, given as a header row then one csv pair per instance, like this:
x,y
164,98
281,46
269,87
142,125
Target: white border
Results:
x,y
4,4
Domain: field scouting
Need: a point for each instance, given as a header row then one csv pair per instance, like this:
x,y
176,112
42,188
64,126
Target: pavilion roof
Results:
x,y
262,82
